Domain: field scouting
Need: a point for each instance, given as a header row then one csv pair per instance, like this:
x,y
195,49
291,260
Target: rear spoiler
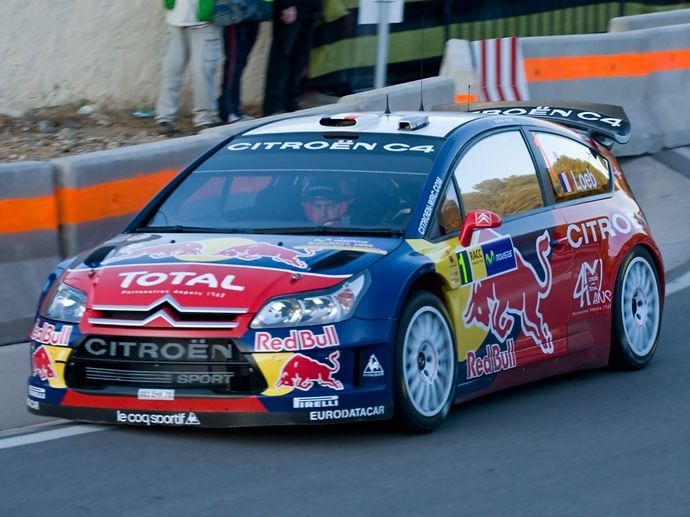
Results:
x,y
603,122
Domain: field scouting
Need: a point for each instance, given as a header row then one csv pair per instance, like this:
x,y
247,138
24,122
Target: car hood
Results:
x,y
208,273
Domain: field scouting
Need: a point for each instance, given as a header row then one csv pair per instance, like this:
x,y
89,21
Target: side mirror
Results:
x,y
476,220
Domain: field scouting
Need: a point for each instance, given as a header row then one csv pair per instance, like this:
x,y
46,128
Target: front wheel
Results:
x,y
425,358
636,312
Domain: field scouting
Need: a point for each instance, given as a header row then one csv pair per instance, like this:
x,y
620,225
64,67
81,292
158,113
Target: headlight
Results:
x,y
66,303
312,309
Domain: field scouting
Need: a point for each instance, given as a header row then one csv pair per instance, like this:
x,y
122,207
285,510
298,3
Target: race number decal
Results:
x,y
486,260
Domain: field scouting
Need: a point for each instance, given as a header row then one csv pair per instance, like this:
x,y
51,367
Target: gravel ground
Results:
x,y
68,130
48,133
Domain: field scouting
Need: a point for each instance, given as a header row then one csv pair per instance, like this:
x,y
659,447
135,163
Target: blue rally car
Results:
x,y
360,266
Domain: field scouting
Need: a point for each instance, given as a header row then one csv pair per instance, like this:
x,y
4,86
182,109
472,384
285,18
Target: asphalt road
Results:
x,y
594,443
588,444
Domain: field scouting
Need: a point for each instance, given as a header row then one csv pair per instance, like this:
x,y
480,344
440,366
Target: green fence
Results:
x,y
343,59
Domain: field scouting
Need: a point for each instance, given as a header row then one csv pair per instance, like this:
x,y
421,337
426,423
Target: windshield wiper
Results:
x,y
329,230
189,229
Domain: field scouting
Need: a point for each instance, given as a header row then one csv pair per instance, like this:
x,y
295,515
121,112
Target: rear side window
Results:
x,y
575,170
497,173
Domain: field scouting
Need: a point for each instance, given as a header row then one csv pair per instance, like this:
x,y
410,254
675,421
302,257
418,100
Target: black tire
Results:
x,y
425,364
637,308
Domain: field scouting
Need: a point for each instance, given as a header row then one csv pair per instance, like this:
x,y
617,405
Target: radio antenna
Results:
x,y
421,70
468,97
388,108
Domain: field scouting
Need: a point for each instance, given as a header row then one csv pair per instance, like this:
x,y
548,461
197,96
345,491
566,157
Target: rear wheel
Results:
x,y
636,312
425,373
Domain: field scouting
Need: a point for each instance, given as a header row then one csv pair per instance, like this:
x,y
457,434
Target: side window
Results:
x,y
575,170
448,213
497,173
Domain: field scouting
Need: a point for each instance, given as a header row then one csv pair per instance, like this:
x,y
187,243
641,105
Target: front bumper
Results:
x,y
331,378
242,412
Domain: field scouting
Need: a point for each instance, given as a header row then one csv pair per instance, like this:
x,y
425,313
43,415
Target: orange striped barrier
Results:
x,y
28,214
110,199
637,64
29,242
99,193
645,71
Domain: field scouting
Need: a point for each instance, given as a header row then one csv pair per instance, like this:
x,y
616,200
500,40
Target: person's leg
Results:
x,y
225,106
278,69
175,56
205,54
247,33
304,40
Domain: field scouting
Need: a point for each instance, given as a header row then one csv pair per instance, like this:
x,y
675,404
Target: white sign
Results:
x,y
370,11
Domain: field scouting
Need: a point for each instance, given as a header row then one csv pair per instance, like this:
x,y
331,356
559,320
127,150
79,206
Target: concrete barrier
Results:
x,y
597,68
649,21
98,193
457,64
645,71
669,82
29,244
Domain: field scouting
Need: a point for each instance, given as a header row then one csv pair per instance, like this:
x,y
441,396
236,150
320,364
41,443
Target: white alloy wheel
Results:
x,y
426,363
640,307
637,311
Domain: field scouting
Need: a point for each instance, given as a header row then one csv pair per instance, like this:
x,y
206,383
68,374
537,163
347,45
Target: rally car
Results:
x,y
359,266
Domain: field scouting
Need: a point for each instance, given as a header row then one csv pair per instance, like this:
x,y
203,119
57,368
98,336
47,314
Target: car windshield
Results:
x,y
301,183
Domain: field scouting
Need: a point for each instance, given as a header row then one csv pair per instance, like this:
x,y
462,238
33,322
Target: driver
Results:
x,y
324,202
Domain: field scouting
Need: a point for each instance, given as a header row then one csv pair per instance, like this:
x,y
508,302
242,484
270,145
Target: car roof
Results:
x,y
605,123
433,124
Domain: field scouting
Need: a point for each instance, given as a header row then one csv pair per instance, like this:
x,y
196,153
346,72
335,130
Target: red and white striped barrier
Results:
x,y
500,69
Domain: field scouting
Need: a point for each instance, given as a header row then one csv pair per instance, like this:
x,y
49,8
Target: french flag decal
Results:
x,y
566,182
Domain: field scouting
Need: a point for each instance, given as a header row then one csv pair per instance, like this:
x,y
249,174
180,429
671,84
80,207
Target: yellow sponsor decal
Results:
x,y
271,365
443,255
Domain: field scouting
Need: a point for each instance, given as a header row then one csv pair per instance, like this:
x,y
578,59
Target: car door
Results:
x,y
582,184
518,272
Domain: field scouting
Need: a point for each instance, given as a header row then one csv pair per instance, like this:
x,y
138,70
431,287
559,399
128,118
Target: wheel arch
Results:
x,y
653,251
434,283
619,355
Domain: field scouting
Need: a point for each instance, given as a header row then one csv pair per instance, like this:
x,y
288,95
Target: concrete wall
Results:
x,y
105,52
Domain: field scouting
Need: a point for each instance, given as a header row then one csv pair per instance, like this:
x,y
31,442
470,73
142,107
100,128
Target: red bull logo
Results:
x,y
494,361
157,252
496,301
297,340
303,372
42,365
47,335
259,250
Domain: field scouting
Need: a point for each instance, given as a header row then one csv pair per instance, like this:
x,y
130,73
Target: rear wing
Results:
x,y
605,123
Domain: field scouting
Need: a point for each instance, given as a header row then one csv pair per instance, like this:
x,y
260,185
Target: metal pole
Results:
x,y
382,47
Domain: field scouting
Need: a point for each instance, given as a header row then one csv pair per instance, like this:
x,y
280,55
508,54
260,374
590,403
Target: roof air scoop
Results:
x,y
413,121
355,120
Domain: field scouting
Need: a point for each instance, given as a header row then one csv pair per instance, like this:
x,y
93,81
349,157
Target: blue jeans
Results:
x,y
238,41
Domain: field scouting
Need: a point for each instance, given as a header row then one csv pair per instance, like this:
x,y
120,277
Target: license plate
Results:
x,y
155,394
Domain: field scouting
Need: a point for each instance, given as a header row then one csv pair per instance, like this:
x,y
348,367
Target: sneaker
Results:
x,y
166,128
232,118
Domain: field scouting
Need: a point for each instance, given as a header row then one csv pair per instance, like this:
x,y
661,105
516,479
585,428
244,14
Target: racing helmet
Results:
x,y
323,189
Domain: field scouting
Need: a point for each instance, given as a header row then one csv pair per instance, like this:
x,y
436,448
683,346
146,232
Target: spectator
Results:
x,y
293,34
192,39
238,41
